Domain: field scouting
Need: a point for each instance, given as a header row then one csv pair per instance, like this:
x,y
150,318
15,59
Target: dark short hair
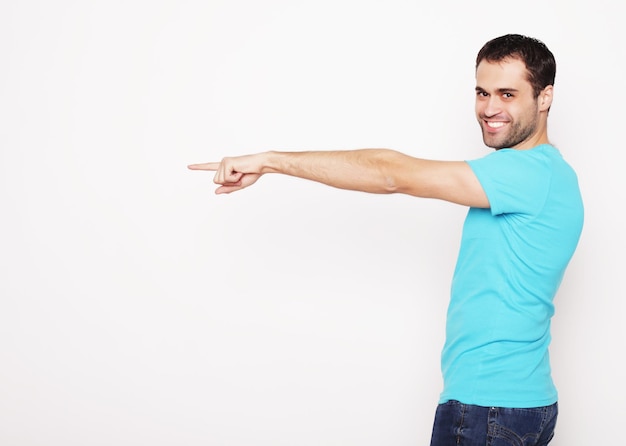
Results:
x,y
538,59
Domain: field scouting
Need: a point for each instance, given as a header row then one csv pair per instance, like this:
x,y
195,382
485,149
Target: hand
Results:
x,y
233,174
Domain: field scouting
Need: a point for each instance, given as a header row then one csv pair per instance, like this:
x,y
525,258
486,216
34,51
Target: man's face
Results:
x,y
507,112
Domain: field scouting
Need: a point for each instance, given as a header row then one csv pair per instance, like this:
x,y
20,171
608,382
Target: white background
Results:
x,y
138,308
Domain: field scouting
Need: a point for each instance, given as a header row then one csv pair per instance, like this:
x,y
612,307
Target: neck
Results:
x,y
536,139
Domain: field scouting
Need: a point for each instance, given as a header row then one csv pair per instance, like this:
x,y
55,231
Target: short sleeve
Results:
x,y
515,181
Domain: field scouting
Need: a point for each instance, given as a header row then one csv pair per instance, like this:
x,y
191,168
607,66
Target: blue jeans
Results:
x,y
458,424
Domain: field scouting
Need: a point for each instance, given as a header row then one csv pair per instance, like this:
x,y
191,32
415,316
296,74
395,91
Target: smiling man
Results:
x,y
524,221
511,111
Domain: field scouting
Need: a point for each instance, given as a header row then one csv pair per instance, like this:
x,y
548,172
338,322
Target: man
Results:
x,y
522,228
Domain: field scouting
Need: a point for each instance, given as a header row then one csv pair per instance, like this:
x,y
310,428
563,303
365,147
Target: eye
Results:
x,y
507,95
482,94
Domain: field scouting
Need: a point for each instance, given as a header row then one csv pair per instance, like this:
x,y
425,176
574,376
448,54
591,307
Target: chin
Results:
x,y
493,144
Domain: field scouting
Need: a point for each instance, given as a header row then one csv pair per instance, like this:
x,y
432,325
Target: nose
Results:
x,y
491,106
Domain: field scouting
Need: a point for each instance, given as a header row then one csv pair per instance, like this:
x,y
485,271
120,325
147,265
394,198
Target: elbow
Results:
x,y
389,185
385,165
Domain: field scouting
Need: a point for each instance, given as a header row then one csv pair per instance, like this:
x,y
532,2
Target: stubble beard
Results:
x,y
518,133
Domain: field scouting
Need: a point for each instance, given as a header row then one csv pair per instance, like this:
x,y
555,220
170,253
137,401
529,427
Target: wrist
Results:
x,y
270,162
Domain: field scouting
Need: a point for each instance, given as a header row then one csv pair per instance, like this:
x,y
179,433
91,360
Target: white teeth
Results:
x,y
495,125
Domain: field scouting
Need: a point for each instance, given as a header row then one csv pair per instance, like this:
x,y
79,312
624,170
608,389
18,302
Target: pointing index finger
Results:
x,y
204,166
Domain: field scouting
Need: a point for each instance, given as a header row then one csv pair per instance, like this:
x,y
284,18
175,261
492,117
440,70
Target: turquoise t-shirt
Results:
x,y
510,265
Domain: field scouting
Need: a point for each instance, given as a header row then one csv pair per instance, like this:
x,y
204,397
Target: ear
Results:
x,y
545,98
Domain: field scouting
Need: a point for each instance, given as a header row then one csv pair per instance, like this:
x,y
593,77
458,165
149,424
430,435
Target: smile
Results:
x,y
495,124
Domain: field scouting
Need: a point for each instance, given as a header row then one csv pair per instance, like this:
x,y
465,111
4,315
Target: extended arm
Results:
x,y
368,170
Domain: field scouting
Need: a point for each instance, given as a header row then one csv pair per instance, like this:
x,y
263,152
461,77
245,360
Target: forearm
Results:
x,y
367,170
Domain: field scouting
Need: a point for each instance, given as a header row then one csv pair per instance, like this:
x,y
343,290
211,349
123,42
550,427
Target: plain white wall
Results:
x,y
138,308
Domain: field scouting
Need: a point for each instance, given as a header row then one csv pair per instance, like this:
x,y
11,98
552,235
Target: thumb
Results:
x,y
232,176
